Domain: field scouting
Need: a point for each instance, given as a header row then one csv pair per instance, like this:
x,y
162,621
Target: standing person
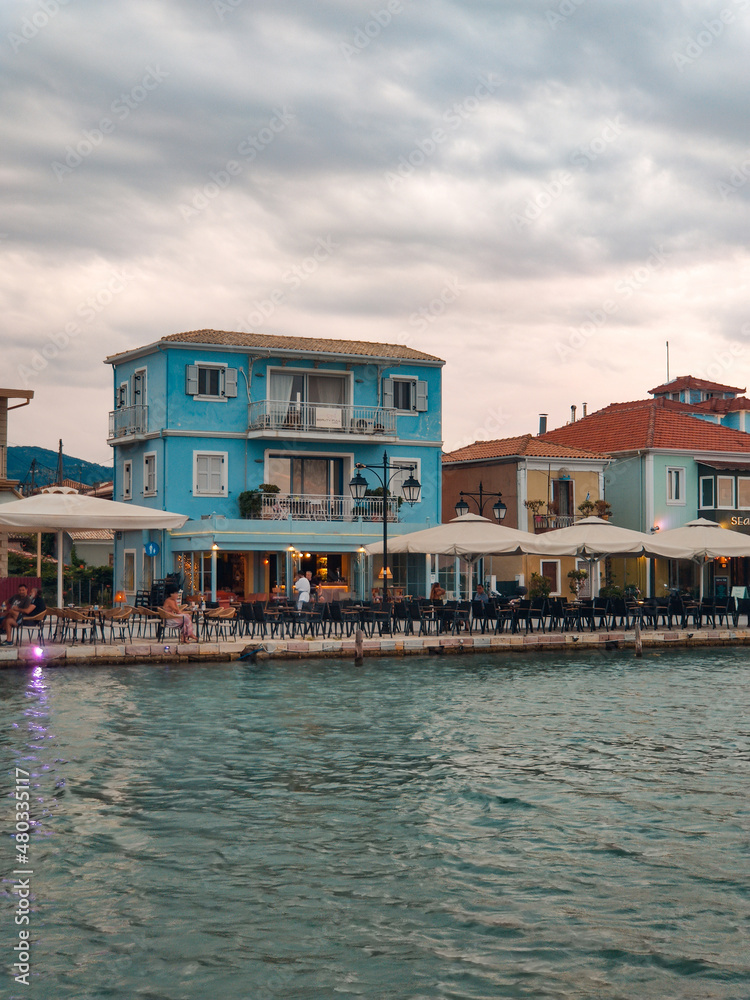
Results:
x,y
19,604
313,586
179,617
302,586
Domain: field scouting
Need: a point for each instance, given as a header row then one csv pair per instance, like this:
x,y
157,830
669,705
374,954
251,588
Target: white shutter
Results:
x,y
230,381
191,380
388,393
421,397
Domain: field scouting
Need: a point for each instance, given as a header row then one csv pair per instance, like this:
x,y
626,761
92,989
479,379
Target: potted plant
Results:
x,y
587,508
533,505
577,578
251,501
539,586
603,509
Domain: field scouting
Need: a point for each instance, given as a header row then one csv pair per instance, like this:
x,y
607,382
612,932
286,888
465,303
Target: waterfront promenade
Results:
x,y
148,651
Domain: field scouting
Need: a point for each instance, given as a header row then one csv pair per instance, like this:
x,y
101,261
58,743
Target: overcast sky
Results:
x,y
541,193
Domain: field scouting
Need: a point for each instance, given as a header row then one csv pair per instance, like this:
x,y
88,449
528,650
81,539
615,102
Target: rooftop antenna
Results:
x,y
667,361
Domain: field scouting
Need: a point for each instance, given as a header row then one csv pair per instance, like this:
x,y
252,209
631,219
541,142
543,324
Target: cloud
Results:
x,y
536,154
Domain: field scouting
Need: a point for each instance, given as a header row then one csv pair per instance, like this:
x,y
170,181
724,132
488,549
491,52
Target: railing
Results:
x,y
320,418
548,522
128,420
312,507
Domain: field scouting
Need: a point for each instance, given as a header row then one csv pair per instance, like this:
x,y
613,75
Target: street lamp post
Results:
x,y
411,489
498,508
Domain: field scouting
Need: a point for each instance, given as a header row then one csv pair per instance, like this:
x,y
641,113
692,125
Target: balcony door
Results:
x,y
562,497
299,475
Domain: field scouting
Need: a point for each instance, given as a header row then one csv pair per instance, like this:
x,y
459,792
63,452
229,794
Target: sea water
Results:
x,y
468,827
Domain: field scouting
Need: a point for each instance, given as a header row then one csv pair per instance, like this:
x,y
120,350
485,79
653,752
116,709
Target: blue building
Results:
x,y
203,420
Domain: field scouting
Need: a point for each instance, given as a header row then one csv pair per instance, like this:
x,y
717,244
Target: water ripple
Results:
x,y
416,829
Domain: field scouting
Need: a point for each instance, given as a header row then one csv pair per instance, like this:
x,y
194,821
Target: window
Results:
x,y
743,493
405,469
128,571
307,476
210,473
210,381
149,474
409,395
127,481
312,387
707,491
725,491
562,497
139,387
550,568
676,486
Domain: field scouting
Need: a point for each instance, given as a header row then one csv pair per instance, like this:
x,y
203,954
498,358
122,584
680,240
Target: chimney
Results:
x,y
585,409
542,423
573,414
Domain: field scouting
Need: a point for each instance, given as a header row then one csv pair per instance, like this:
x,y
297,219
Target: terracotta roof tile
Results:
x,y
524,445
648,423
691,382
276,342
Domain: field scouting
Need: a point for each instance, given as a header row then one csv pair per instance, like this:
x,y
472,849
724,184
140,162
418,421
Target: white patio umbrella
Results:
x,y
469,536
593,538
59,512
700,541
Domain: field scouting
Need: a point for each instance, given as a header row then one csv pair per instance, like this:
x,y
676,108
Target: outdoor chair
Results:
x,y
601,612
167,626
479,615
73,623
118,620
619,614
147,622
221,623
31,622
555,613
723,613
707,612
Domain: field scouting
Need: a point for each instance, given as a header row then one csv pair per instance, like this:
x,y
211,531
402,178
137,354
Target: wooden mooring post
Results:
x,y
638,640
359,647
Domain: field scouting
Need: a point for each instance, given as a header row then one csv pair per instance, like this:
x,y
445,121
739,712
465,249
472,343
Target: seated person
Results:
x,y
19,604
35,597
436,592
178,616
480,594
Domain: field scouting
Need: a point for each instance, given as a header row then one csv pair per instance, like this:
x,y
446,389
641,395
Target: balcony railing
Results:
x,y
320,418
127,421
313,507
548,522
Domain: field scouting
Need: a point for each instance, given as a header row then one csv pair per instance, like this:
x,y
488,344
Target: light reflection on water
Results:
x,y
418,828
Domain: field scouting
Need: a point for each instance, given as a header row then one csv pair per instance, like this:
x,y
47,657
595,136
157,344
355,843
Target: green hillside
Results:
x,y
45,472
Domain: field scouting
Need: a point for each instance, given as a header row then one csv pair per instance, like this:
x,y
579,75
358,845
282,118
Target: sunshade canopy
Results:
x,y
469,536
65,511
594,538
701,540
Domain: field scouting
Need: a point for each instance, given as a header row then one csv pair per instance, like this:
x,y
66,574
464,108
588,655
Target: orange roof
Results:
x,y
717,405
293,344
524,446
648,423
691,382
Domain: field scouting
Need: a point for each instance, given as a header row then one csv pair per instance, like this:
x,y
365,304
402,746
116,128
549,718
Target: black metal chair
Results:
x,y
31,622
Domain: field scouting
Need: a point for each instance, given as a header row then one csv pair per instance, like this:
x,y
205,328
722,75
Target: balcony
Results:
x,y
280,418
548,522
128,421
313,507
